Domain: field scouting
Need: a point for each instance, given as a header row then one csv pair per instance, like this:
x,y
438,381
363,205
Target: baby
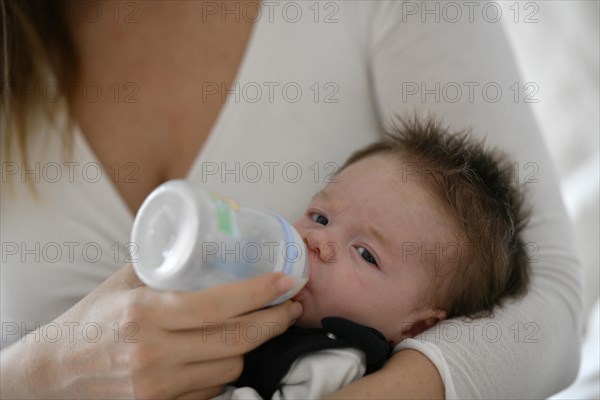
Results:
x,y
422,226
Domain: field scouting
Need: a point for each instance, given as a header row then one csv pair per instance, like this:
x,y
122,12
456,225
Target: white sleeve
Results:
x,y
312,376
587,384
319,374
464,72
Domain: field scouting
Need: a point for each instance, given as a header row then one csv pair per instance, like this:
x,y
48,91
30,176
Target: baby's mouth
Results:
x,y
305,291
313,260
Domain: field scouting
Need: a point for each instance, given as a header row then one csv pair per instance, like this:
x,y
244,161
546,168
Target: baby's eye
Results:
x,y
319,218
364,253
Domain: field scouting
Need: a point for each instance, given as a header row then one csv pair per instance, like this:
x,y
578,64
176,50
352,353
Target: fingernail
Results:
x,y
295,310
285,283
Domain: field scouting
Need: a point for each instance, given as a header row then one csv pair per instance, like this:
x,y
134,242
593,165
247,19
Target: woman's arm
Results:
x,y
419,379
464,73
175,344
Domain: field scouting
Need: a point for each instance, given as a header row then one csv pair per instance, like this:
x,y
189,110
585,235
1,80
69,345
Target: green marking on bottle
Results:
x,y
226,218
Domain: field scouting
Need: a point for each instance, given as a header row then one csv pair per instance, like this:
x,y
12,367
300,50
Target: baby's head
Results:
x,y
417,228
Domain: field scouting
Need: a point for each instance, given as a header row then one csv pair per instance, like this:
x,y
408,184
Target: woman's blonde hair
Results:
x,y
37,50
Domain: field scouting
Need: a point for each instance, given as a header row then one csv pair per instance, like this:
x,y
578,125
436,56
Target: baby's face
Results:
x,y
361,233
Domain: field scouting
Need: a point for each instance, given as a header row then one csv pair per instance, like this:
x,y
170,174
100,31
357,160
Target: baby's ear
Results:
x,y
428,319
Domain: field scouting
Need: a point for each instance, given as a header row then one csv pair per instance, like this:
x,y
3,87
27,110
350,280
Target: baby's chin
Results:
x,y
308,319
308,322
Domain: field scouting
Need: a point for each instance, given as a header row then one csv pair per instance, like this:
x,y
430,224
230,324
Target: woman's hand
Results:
x,y
142,343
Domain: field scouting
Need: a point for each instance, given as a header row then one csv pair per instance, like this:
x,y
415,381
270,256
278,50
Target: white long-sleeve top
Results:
x,y
311,376
318,81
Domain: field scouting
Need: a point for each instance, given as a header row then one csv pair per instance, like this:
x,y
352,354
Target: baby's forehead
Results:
x,y
379,169
387,181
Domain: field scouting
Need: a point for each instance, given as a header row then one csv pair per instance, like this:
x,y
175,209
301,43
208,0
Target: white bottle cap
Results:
x,y
165,232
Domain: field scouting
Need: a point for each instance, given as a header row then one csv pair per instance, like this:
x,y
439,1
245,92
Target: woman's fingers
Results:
x,y
193,378
201,394
192,310
192,343
205,377
236,336
181,342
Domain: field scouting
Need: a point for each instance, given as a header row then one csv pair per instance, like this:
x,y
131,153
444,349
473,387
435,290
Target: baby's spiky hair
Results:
x,y
475,189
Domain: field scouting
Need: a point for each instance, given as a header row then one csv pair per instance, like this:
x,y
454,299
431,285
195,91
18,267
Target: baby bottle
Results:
x,y
189,239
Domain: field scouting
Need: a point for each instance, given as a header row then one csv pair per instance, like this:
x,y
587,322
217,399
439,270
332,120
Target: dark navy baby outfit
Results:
x,y
265,366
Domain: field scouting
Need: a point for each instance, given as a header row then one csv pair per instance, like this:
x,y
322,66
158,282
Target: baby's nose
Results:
x,y
328,252
323,251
